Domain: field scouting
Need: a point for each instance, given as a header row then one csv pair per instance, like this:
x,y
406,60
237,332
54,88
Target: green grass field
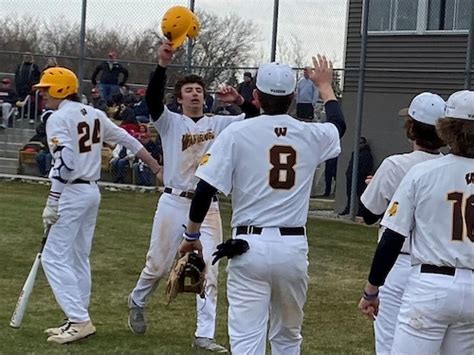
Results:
x,y
340,254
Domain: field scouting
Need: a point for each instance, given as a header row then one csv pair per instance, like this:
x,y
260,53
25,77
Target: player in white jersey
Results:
x,y
434,206
75,134
267,164
420,120
185,139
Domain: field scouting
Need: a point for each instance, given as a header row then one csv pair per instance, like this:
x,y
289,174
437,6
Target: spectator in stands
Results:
x,y
43,156
208,103
120,163
142,172
307,94
129,121
96,101
8,98
140,108
245,89
171,103
109,79
128,97
26,75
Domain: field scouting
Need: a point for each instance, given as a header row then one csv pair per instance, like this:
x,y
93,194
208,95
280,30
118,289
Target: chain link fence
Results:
x,y
236,38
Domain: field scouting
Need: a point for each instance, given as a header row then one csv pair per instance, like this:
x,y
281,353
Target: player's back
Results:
x,y
274,164
81,128
444,212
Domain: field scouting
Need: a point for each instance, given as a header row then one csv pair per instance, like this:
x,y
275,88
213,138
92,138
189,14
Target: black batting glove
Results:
x,y
230,248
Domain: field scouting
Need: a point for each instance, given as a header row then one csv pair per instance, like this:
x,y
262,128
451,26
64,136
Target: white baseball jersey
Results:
x,y
383,185
435,204
83,129
268,164
185,142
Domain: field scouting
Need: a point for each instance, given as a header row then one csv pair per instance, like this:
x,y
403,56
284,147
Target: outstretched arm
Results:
x,y
156,87
321,75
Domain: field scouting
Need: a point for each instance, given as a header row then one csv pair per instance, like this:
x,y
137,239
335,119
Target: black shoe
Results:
x,y
345,212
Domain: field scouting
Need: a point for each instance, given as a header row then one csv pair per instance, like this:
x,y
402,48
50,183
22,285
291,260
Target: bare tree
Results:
x,y
224,43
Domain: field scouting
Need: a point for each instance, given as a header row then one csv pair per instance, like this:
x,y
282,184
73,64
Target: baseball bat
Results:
x,y
25,293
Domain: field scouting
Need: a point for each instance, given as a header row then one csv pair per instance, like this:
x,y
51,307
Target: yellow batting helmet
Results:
x,y
61,82
176,24
193,31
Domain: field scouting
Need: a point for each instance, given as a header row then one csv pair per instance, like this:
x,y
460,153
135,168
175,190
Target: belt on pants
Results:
x,y
186,194
433,269
258,230
82,181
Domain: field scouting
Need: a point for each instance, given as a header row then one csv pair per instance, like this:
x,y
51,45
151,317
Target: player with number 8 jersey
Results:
x,y
267,164
75,134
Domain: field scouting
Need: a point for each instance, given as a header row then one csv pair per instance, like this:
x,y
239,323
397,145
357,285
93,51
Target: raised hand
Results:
x,y
228,94
322,71
165,53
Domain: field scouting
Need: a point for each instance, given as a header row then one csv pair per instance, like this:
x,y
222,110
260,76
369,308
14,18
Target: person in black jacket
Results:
x,y
26,75
109,79
366,167
8,98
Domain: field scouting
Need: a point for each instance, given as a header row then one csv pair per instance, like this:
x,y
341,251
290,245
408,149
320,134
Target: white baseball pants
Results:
x,y
65,257
437,314
268,283
390,296
166,236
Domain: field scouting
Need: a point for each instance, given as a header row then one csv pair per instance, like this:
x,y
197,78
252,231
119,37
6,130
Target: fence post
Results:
x,y
189,49
354,205
274,30
82,47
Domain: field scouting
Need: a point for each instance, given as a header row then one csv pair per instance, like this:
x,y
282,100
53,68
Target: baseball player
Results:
x,y
185,138
434,206
75,134
268,164
420,119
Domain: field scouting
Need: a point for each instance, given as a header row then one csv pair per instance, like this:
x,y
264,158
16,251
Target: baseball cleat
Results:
x,y
136,317
58,330
208,344
76,331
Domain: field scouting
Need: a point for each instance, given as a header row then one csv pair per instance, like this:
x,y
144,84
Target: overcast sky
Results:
x,y
320,24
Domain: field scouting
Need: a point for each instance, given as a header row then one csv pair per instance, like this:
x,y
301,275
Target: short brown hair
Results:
x,y
458,135
274,105
189,79
423,134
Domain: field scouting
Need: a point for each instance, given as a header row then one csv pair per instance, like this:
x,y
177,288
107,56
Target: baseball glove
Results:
x,y
186,275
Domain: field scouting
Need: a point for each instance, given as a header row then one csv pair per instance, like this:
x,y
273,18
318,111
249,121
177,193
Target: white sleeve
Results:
x,y
380,190
217,165
113,134
400,215
326,140
221,122
58,133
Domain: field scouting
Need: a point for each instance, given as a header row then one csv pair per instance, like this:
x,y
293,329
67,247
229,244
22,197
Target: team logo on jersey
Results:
x,y
54,142
204,159
392,211
190,139
280,131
